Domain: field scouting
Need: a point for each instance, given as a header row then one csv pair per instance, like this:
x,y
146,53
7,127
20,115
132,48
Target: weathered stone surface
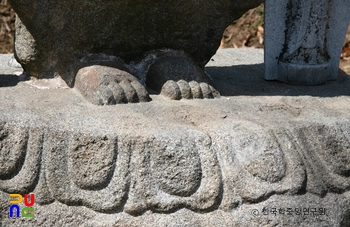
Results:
x,y
92,160
182,69
103,85
303,46
54,38
171,90
174,68
185,89
213,162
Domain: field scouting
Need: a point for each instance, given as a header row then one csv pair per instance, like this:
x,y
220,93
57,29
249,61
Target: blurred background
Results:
x,y
7,27
248,31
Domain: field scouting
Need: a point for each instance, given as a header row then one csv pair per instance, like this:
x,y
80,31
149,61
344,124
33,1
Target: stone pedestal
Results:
x,y
303,74
264,154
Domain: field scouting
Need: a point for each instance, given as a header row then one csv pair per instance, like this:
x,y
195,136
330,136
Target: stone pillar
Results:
x,y
304,39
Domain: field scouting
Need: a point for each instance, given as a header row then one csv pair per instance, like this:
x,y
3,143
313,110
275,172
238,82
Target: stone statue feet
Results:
x,y
103,85
179,77
188,90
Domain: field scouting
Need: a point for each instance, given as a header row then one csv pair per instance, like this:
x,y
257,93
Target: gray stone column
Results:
x,y
304,40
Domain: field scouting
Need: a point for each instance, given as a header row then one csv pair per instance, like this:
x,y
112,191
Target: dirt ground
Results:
x,y
7,27
247,31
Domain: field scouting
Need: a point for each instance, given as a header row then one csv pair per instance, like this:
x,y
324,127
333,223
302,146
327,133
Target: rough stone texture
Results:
x,y
103,85
8,67
173,68
188,90
57,38
303,46
166,70
213,162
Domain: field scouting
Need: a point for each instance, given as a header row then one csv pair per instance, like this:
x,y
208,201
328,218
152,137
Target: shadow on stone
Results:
x,y
249,80
8,80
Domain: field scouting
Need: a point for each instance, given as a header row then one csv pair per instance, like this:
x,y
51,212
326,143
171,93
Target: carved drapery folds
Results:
x,y
165,171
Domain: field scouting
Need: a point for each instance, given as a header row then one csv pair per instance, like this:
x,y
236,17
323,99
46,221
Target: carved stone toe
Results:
x,y
192,90
102,85
177,76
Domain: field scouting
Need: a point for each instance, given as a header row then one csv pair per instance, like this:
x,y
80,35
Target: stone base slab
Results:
x,y
263,146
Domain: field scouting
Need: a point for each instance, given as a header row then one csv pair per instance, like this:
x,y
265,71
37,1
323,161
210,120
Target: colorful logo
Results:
x,y
25,212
